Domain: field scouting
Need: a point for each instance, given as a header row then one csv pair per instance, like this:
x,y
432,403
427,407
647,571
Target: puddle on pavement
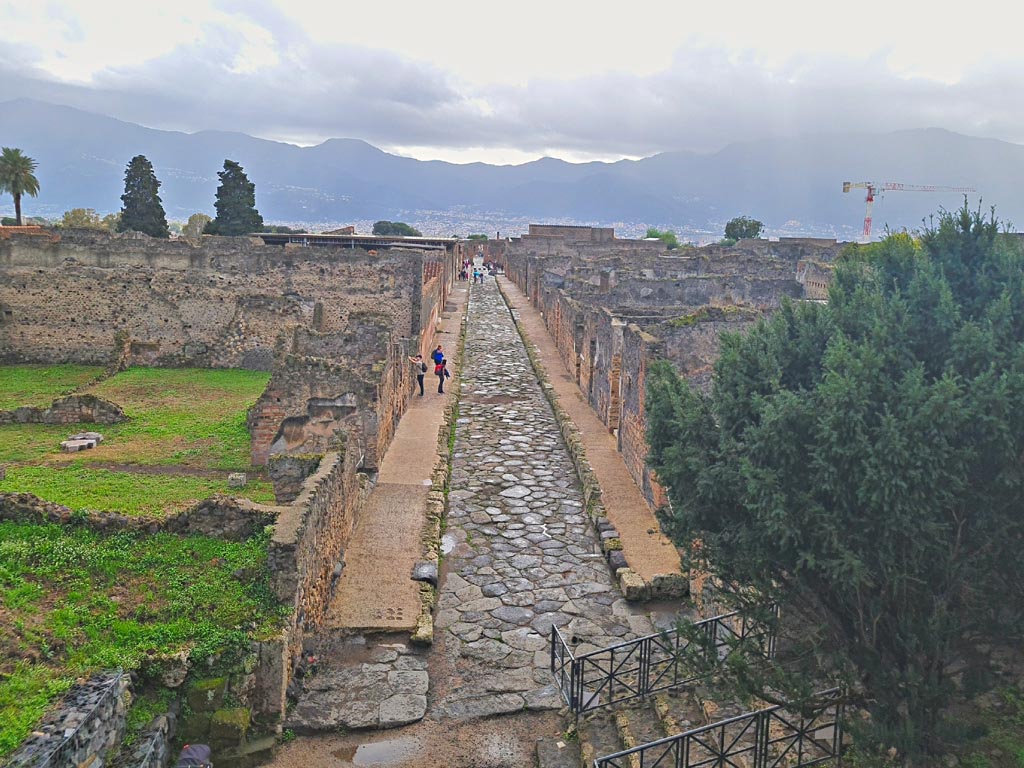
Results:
x,y
447,544
665,614
381,753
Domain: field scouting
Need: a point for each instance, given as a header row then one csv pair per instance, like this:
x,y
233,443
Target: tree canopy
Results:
x,y
142,210
859,464
81,218
196,224
235,204
17,177
668,237
395,228
743,227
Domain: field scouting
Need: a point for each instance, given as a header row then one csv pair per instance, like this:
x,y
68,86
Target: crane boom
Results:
x,y
876,188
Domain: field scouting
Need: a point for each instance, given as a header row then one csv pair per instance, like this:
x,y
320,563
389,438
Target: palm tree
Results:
x,y
17,177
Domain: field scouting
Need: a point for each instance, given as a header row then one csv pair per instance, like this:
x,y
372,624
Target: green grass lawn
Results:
x,y
81,487
190,418
73,602
40,385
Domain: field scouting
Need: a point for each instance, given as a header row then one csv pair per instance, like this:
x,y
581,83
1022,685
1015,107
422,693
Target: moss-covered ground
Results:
x,y
72,602
186,431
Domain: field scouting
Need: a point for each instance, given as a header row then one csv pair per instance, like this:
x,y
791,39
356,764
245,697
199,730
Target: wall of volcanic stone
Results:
x,y
85,296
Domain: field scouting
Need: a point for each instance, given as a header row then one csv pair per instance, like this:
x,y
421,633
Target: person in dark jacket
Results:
x,y
441,371
194,756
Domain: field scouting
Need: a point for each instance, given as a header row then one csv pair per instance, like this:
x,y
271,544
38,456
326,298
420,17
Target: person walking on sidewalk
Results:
x,y
441,371
419,367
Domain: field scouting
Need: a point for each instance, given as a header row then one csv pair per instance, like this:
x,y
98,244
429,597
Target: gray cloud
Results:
x,y
703,101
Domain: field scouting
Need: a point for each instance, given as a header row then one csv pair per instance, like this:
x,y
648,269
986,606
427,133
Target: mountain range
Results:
x,y
793,185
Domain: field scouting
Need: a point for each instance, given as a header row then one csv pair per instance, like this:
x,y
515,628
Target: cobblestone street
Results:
x,y
523,554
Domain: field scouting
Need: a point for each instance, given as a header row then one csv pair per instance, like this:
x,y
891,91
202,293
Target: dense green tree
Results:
x,y
17,177
196,224
236,204
142,209
859,464
396,229
80,218
743,227
476,237
668,237
111,221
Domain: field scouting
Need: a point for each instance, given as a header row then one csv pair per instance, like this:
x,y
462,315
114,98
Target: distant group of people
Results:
x,y
477,272
419,366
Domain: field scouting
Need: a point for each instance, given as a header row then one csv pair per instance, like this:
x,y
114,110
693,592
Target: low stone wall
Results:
x,y
288,474
222,517
74,409
152,749
305,560
88,725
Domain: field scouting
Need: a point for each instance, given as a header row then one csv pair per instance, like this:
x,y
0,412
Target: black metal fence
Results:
x,y
766,738
646,665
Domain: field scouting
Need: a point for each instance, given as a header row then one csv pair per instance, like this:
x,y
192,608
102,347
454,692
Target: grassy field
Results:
x,y
40,385
186,432
81,487
72,602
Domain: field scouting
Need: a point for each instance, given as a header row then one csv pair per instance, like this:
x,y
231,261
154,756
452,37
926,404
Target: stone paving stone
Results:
x,y
527,557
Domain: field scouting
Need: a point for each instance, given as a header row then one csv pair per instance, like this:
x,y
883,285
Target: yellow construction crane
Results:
x,y
876,188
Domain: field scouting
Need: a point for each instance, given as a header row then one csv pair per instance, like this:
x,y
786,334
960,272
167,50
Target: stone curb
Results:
x,y
430,540
631,584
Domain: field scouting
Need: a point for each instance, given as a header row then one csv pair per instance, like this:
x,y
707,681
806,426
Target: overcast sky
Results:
x,y
511,81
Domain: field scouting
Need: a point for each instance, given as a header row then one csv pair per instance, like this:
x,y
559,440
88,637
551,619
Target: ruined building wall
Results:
x,y
358,380
638,349
221,303
610,315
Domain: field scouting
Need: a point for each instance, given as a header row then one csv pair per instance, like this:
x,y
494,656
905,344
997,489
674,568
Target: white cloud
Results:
x,y
578,80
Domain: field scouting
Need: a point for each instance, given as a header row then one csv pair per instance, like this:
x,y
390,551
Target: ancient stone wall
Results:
x,y
638,348
222,517
815,278
305,556
74,409
88,725
358,380
610,310
221,302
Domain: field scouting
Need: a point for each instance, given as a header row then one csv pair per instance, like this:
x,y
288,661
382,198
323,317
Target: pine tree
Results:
x,y
236,204
142,210
858,464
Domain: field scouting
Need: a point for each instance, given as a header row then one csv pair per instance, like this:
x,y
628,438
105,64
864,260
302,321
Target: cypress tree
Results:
x,y
236,204
142,209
